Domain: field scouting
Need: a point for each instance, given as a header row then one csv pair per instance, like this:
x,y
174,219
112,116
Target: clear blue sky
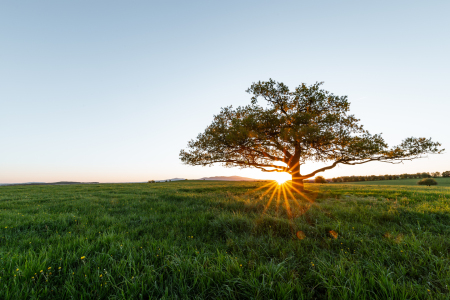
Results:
x,y
110,91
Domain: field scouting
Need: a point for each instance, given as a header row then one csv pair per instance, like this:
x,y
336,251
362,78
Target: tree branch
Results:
x,y
320,170
256,165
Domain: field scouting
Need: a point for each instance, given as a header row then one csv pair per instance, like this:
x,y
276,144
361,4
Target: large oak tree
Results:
x,y
291,128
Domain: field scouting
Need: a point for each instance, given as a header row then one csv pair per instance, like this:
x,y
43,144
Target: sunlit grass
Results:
x,y
224,240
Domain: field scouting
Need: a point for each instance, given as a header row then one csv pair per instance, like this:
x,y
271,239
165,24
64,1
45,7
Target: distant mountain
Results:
x,y
231,178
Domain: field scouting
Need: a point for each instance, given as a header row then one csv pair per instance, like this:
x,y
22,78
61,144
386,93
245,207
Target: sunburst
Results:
x,y
282,194
281,180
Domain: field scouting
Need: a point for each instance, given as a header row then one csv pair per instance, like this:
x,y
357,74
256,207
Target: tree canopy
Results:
x,y
291,128
320,179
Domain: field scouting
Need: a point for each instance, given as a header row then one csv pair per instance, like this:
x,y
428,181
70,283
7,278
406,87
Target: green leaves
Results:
x,y
292,127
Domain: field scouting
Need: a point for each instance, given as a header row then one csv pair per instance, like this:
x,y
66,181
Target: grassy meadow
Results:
x,y
224,240
440,180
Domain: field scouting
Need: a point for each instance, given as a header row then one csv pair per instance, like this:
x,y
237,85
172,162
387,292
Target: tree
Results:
x,y
291,128
446,174
320,179
436,174
427,181
425,175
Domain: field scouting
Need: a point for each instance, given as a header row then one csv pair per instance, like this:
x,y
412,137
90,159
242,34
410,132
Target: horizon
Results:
x,y
279,179
112,93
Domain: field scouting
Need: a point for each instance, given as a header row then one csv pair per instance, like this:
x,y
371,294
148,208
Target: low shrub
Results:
x,y
320,179
427,181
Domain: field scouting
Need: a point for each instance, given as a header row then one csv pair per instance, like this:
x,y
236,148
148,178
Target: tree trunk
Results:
x,y
297,182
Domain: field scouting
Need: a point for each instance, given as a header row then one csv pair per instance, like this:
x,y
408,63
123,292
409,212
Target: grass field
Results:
x,y
220,240
440,180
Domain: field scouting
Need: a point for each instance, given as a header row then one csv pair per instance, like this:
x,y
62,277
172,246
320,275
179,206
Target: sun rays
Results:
x,y
281,197
282,194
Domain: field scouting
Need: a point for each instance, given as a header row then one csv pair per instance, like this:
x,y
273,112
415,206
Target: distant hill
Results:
x,y
49,183
231,178
172,179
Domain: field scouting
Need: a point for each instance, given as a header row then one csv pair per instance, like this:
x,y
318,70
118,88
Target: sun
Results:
x,y
281,178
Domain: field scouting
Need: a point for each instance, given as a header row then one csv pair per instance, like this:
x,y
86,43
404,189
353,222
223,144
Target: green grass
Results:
x,y
215,240
440,180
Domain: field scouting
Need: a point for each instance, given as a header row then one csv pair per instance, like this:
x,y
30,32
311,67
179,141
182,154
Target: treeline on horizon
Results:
x,y
389,177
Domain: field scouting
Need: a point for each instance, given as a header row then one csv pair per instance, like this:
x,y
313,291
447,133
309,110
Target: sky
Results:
x,y
111,91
